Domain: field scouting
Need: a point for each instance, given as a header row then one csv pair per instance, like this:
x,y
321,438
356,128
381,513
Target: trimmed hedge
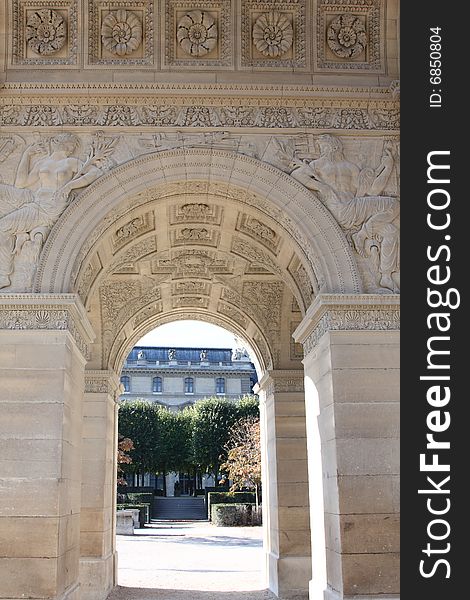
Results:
x,y
140,497
229,498
235,515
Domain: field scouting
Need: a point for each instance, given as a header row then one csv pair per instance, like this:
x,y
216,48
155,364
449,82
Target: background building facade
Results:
x,y
179,377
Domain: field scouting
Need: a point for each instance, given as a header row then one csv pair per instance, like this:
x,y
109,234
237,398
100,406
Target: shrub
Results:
x,y
140,497
229,498
235,515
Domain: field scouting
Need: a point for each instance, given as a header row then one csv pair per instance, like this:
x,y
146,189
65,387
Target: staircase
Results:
x,y
179,509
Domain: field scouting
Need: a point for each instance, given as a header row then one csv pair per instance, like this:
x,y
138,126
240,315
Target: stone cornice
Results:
x,y
47,312
203,89
278,381
102,382
349,312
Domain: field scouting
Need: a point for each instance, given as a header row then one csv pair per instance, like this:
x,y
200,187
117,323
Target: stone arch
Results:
x,y
261,359
253,181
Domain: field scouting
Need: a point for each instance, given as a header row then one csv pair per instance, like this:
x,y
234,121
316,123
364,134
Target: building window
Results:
x,y
189,385
220,385
126,382
157,385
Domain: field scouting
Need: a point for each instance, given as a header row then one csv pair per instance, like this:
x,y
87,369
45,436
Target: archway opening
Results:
x,y
186,400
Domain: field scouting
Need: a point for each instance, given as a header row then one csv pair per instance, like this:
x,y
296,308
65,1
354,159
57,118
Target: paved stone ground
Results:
x,y
191,561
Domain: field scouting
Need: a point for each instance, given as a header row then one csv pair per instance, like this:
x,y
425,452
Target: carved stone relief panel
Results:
x,y
120,33
200,236
191,288
196,212
133,229
232,313
44,33
89,275
193,263
296,349
301,278
197,34
274,34
259,231
351,35
190,301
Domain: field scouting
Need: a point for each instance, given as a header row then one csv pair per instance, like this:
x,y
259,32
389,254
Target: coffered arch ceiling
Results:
x,y
215,235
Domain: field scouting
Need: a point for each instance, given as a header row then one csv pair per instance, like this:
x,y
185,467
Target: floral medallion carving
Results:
x,y
273,34
121,32
197,33
347,37
46,31
351,35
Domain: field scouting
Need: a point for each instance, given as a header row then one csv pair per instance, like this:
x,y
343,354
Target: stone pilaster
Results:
x,y
352,376
285,483
44,341
98,561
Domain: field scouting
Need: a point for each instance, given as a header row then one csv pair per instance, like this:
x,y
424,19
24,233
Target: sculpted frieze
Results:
x,y
372,116
358,197
46,177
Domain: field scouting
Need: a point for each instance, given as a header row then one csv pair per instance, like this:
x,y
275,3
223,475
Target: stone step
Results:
x,y
184,509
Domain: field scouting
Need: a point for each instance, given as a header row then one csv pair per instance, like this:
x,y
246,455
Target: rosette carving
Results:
x,y
273,34
46,31
346,36
197,33
121,32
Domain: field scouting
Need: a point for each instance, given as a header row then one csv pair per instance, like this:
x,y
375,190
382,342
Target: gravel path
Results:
x,y
191,561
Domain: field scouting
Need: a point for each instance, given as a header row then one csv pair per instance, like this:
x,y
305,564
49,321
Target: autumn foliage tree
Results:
x,y
125,445
243,463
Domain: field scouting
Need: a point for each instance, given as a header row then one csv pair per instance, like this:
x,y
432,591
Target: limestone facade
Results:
x,y
233,162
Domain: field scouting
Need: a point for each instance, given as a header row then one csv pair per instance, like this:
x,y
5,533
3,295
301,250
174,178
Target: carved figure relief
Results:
x,y
46,175
121,32
354,198
273,34
197,33
346,36
46,31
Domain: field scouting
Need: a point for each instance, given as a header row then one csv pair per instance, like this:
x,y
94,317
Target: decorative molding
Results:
x,y
195,106
59,47
102,382
351,35
282,381
47,312
132,23
335,312
232,313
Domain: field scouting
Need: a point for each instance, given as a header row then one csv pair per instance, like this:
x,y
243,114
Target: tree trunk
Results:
x,y
164,482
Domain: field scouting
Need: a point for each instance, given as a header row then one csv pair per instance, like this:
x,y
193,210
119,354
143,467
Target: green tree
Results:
x,y
137,421
212,420
248,407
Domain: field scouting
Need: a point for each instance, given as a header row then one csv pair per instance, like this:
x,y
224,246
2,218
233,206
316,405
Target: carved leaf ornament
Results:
x,y
197,33
46,31
273,34
346,36
121,32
